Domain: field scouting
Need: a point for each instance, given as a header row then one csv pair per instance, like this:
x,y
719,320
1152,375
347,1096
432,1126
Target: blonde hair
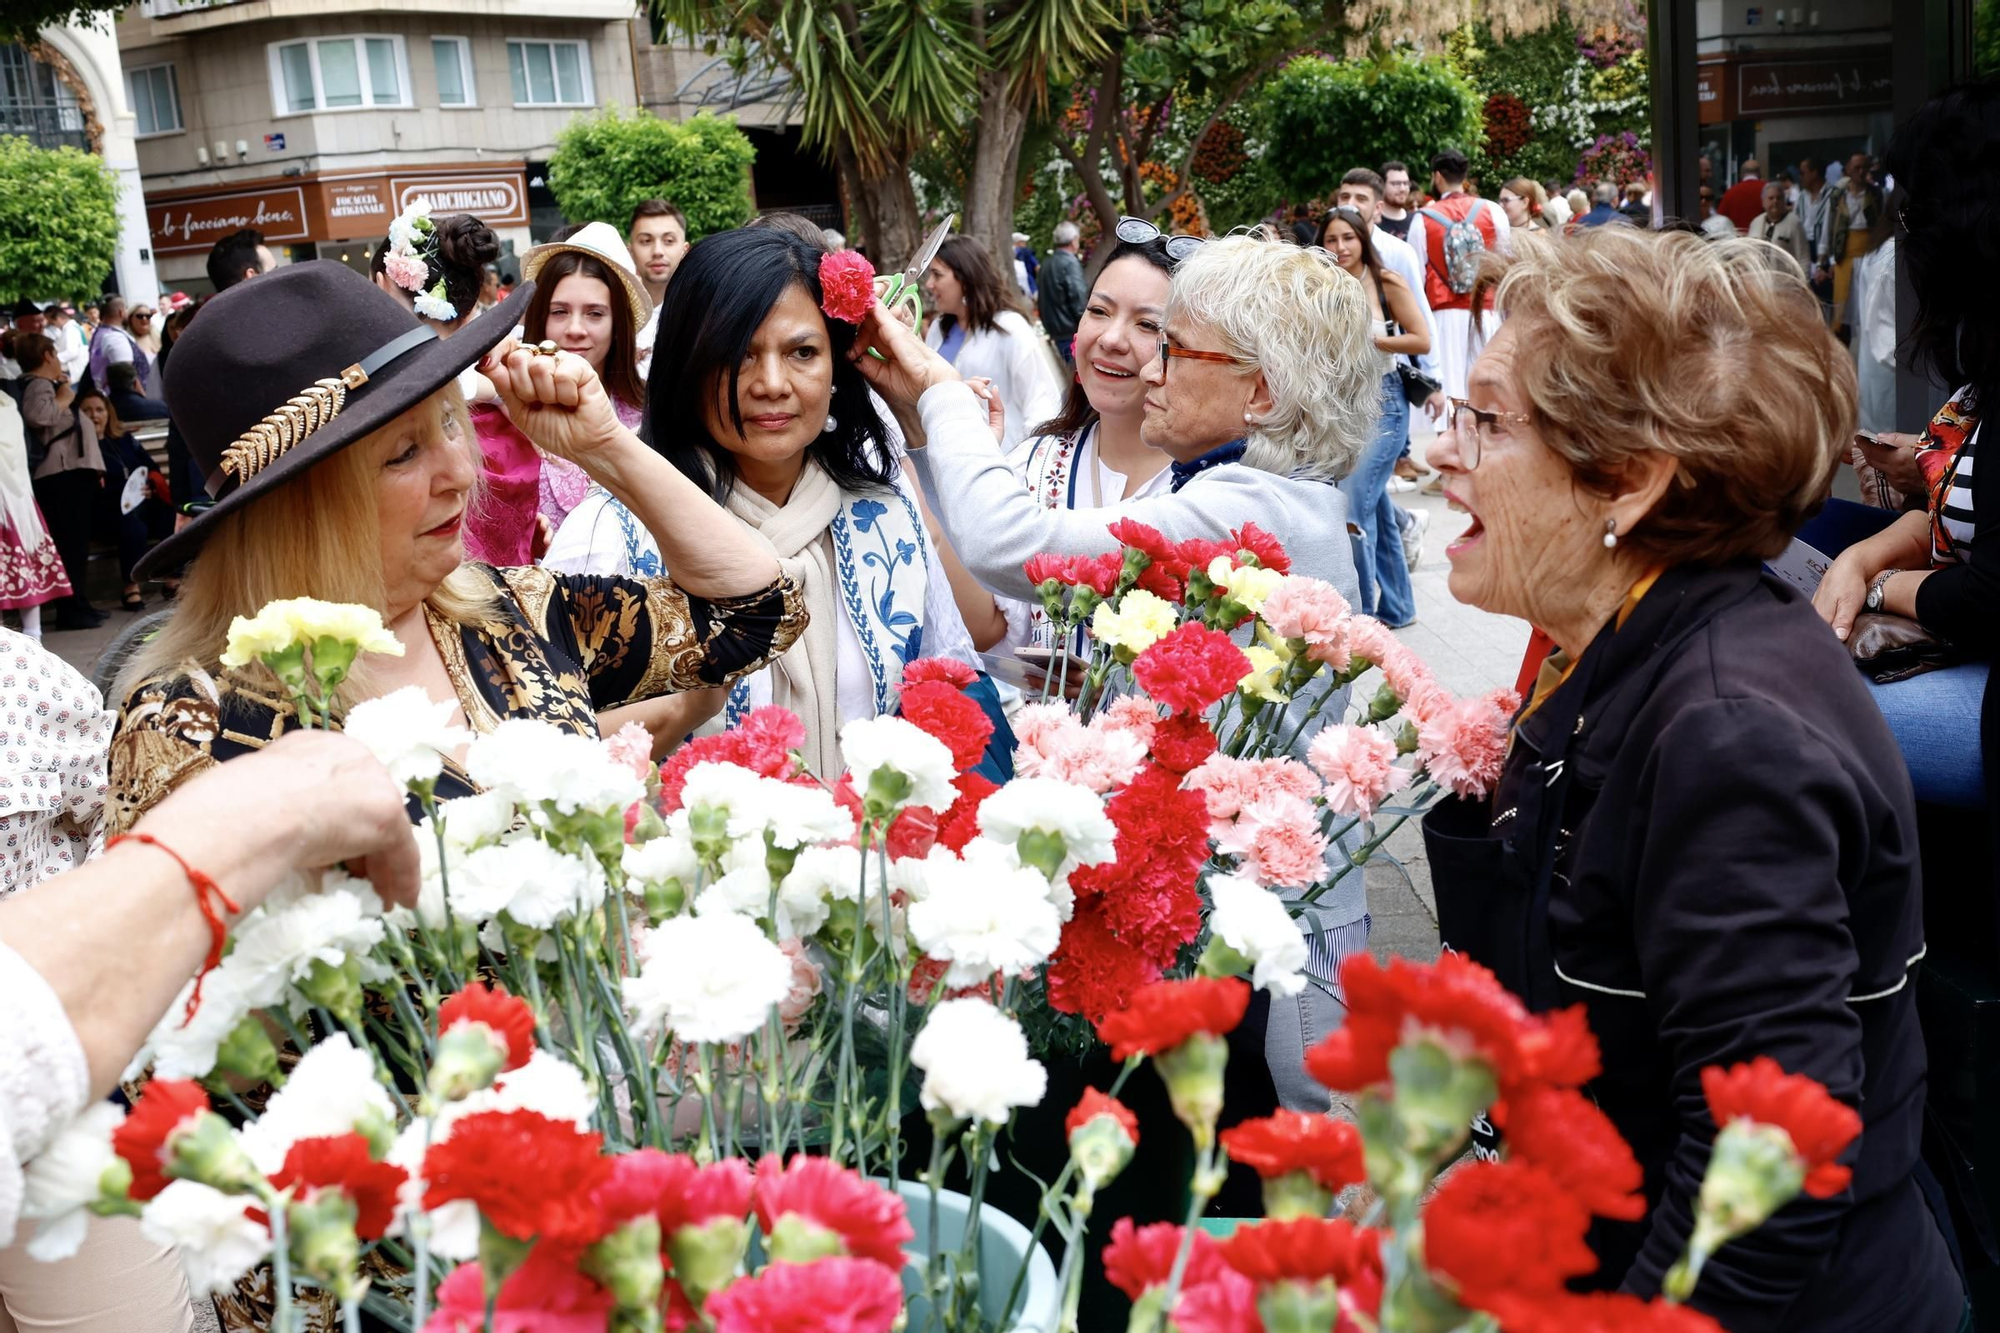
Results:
x,y
316,535
1295,314
1710,351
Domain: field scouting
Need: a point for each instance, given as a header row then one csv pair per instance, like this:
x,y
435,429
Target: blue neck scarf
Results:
x,y
1225,453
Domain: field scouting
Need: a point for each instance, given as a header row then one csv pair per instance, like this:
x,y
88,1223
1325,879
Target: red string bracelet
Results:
x,y
206,892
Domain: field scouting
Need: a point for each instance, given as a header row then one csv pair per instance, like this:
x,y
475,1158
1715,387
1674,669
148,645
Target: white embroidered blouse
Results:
x,y
54,736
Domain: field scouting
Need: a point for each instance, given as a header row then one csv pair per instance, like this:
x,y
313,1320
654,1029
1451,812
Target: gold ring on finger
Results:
x,y
546,347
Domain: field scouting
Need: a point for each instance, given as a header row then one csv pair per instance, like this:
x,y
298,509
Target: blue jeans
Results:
x,y
1935,718
1378,551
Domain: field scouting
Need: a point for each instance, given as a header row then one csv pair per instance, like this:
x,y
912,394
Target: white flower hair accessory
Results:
x,y
412,250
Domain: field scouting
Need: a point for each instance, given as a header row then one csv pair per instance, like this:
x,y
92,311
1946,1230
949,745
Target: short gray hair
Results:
x,y
1067,233
834,240
1295,314
1607,192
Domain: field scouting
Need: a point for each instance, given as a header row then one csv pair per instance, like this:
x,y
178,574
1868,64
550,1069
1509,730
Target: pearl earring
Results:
x,y
1247,421
1610,533
831,426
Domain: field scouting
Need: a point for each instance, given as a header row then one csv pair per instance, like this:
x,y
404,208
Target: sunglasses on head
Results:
x,y
1138,231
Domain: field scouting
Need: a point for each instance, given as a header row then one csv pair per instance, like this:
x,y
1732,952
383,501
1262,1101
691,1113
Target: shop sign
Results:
x,y
491,199
196,224
1766,88
356,207
1711,90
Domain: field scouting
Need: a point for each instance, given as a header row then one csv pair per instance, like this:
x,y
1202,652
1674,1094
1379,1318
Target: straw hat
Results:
x,y
599,240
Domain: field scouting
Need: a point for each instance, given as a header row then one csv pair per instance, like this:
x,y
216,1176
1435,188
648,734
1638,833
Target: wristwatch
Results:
x,y
1875,590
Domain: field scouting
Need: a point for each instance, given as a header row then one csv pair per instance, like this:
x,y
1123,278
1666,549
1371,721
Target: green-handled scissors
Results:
x,y
906,288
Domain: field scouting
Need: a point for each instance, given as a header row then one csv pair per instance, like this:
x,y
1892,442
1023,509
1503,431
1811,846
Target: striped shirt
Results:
x,y
1958,504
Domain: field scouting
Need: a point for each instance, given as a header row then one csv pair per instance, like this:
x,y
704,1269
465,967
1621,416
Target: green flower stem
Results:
x,y
899,1004
704,1086
350,1317
1208,1177
1070,1281
979,1148
281,1265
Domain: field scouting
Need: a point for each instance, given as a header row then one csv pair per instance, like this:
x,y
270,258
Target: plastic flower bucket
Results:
x,y
1003,1248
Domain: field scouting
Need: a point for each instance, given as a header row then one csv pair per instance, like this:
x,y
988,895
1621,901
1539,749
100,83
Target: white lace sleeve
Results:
x,y
43,1077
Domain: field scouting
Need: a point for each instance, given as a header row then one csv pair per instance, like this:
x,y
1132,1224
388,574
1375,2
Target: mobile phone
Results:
x,y
1868,437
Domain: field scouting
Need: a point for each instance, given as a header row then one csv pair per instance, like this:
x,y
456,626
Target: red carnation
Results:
x,y
1098,573
913,832
960,824
1160,553
1047,568
343,1162
1183,742
1309,1249
870,1220
509,1017
1226,1303
847,286
144,1139
1564,1133
952,717
531,1177
1092,971
1328,1149
945,670
1820,1126
1156,580
1094,1104
1200,552
674,1188
1190,668
1141,1258
544,1295
1496,1227
1264,546
1148,896
1598,1312
763,742
1165,1014
837,1295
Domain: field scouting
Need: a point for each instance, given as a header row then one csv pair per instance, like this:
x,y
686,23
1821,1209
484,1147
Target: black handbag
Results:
x,y
1417,386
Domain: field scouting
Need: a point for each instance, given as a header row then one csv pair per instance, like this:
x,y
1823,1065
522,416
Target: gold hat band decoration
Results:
x,y
295,419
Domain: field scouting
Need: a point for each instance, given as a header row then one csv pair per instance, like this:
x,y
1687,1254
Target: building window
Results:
x,y
156,99
549,73
339,74
453,56
37,105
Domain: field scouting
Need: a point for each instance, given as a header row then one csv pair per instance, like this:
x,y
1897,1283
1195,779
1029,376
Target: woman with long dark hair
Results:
x,y
148,518
978,327
1399,329
765,412
587,300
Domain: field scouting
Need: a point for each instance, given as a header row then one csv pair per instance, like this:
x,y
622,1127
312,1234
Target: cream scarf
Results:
x,y
799,534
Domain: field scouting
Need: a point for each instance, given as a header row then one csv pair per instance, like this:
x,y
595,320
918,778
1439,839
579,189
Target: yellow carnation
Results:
x,y
252,638
1266,670
1247,585
344,622
1140,621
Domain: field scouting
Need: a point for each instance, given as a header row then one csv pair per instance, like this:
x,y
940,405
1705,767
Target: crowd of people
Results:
x,y
665,480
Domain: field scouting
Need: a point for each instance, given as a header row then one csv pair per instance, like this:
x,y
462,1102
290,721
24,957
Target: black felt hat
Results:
x,y
278,372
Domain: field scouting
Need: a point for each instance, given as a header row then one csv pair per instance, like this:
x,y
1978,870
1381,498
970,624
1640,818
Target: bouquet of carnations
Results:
x,y
647,1051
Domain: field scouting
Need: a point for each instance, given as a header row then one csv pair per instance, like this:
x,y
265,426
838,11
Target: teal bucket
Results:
x,y
1004,1245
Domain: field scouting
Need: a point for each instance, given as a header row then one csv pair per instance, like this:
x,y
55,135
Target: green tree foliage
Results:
x,y
1326,117
58,222
22,20
604,164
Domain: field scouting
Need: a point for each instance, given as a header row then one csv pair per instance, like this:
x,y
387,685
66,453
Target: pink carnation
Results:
x,y
1463,744
805,985
847,284
1098,758
1370,638
1359,765
1306,608
409,272
1279,840
631,747
1130,712
1231,785
1041,732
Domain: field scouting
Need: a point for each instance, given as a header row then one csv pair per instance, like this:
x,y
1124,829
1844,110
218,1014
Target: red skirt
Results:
x,y
29,575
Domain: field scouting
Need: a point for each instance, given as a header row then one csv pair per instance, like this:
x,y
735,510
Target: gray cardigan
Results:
x,y
995,525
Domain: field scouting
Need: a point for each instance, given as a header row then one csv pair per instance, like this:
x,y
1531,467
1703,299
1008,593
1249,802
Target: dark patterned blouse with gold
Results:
x,y
558,647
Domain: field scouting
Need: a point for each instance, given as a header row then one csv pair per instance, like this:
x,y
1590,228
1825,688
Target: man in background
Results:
x,y
238,257
1635,209
658,239
1603,207
1394,215
1815,214
1743,201
1713,223
1025,265
1780,226
1063,291
1460,330
71,346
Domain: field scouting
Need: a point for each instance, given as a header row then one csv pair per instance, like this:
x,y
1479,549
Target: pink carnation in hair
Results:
x,y
847,286
1041,732
1463,744
1359,765
1306,608
1279,839
1098,758
1133,713
409,272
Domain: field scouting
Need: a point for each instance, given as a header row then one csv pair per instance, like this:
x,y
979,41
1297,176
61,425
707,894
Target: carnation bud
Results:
x,y
1299,1307
248,1052
206,1150
626,1263
1221,959
1101,1149
1043,850
705,1257
1753,1170
335,989
650,825
799,1240
888,791
1083,602
665,899
708,830
1051,592
1291,1195
1436,1095
469,1057
323,1241
1192,1072
1199,587
332,659
1386,704
1406,739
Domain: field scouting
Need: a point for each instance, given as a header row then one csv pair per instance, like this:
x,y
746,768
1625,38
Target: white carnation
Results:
x,y
873,745
799,816
333,1088
408,731
274,950
183,1047
473,820
976,1063
1054,809
534,762
711,978
529,880
65,1177
987,918
1255,922
659,859
216,1242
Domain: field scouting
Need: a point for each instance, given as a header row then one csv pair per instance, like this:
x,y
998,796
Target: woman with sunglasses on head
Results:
x,y
1399,330
979,328
1263,391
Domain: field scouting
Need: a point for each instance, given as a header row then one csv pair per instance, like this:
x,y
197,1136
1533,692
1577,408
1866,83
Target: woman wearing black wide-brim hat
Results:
x,y
334,441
